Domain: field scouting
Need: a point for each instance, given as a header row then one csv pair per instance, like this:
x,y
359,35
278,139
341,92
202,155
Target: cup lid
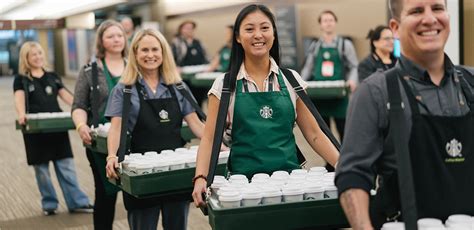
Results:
x,y
260,176
251,194
299,172
318,169
429,222
288,191
280,173
237,177
460,218
393,226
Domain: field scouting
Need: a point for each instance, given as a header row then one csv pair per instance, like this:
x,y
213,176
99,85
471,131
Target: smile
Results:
x,y
429,33
258,44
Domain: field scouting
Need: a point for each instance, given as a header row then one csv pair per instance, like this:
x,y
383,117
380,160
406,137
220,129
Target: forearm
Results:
x,y
113,138
324,147
203,157
20,102
66,96
196,126
79,116
355,203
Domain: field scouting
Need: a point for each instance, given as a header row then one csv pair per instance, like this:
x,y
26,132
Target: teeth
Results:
x,y
258,44
429,33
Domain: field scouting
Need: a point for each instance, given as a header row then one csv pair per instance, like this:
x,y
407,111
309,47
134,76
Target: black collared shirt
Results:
x,y
362,153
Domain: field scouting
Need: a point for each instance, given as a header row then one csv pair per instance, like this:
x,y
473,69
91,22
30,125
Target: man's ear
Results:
x,y
394,26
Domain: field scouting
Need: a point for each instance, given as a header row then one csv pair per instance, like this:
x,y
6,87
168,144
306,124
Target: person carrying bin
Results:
x,y
264,107
412,128
150,100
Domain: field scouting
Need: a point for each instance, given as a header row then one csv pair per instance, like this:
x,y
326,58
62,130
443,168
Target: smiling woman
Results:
x,y
151,78
262,102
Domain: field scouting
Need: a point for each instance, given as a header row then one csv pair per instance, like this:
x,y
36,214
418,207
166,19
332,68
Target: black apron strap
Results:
x,y
24,80
307,101
465,88
127,93
194,104
95,95
220,127
400,143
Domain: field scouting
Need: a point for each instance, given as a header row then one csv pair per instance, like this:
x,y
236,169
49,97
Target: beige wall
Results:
x,y
469,32
352,22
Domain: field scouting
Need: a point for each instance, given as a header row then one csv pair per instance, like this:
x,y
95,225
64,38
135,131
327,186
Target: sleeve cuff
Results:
x,y
348,181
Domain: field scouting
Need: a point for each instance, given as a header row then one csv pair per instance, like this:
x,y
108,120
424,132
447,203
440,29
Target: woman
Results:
x,y
220,62
259,144
156,113
88,109
187,50
381,56
36,91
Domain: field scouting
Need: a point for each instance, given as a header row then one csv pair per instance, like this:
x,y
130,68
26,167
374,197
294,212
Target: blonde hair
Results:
x,y
167,70
99,43
24,67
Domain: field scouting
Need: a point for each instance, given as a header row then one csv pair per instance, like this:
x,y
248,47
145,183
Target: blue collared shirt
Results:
x,y
115,102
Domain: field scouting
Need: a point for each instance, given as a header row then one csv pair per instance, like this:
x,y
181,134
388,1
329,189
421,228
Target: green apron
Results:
x,y
328,66
100,158
262,131
224,59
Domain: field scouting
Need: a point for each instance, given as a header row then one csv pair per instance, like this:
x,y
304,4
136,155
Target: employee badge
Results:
x,y
326,55
49,90
163,116
194,52
327,69
266,112
31,88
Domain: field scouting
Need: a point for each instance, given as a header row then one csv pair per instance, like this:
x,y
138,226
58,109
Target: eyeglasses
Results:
x,y
387,38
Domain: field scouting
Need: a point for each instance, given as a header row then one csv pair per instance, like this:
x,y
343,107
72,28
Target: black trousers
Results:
x,y
340,124
104,205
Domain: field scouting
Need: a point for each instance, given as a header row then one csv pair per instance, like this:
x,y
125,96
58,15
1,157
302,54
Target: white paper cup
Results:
x,y
313,192
299,172
271,196
393,226
230,200
251,198
330,191
429,223
292,194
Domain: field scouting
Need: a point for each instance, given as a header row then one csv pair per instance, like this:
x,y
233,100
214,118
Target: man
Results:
x,y
331,58
436,131
129,28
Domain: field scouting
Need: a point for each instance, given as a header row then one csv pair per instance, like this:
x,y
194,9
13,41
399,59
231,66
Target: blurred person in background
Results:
x,y
129,27
88,109
220,63
381,52
36,90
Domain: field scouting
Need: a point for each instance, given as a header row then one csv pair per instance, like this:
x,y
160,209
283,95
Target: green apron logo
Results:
x,y
266,112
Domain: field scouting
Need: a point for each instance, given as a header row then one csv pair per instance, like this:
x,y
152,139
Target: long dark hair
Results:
x,y
237,54
374,35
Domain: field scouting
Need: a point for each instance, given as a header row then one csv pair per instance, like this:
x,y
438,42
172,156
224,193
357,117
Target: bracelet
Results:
x,y
79,126
199,176
110,157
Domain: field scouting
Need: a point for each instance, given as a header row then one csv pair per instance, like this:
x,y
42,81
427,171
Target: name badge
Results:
x,y
327,69
164,116
49,90
31,88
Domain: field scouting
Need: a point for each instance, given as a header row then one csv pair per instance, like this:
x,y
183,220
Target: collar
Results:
x,y
416,72
243,72
142,81
333,41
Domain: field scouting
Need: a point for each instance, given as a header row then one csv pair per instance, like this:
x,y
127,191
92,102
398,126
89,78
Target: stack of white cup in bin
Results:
x,y
454,222
281,186
46,115
166,160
